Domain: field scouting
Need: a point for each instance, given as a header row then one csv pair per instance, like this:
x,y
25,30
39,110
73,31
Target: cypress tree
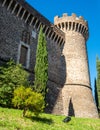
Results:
x,y
41,66
98,81
96,93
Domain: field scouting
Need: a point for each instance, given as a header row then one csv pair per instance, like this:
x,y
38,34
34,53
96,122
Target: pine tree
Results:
x,y
41,66
98,81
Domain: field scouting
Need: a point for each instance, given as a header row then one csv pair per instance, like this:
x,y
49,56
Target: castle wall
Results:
x,y
11,35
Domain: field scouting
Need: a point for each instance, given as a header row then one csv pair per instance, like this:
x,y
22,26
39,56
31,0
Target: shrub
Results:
x,y
11,76
27,99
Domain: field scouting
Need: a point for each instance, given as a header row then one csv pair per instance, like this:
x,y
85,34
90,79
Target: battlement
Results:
x,y
72,23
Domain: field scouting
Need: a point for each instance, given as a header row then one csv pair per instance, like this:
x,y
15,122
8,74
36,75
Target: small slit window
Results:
x,y
24,54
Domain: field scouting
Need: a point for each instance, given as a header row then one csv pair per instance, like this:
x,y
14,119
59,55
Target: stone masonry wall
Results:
x,y
76,92
11,28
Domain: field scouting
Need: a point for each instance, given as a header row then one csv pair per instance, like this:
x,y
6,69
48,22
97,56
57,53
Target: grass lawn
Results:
x,y
11,119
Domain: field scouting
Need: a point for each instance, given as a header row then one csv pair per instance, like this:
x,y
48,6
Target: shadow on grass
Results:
x,y
42,120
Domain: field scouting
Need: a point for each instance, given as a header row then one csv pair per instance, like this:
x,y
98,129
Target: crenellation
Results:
x,y
74,15
64,15
73,23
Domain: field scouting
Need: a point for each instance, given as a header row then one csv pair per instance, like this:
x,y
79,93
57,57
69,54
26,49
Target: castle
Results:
x,y
69,91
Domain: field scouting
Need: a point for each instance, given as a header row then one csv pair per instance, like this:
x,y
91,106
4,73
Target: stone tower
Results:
x,y
76,93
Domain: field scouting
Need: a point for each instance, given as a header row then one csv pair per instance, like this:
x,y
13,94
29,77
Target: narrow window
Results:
x,y
23,55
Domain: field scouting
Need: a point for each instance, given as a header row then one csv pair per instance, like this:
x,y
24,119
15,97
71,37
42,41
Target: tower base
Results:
x,y
78,101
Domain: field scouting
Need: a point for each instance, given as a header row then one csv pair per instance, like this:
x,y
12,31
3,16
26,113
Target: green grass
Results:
x,y
11,119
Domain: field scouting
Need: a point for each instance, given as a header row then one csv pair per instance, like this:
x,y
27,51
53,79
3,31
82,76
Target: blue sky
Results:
x,y
89,9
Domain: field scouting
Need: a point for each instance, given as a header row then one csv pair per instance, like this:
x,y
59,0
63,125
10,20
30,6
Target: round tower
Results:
x,y
76,93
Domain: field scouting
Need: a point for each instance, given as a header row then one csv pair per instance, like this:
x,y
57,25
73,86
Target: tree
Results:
x,y
41,66
98,82
96,93
27,99
11,76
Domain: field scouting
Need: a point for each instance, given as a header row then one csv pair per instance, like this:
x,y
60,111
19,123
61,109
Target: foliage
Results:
x,y
41,67
98,83
11,119
27,99
11,76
